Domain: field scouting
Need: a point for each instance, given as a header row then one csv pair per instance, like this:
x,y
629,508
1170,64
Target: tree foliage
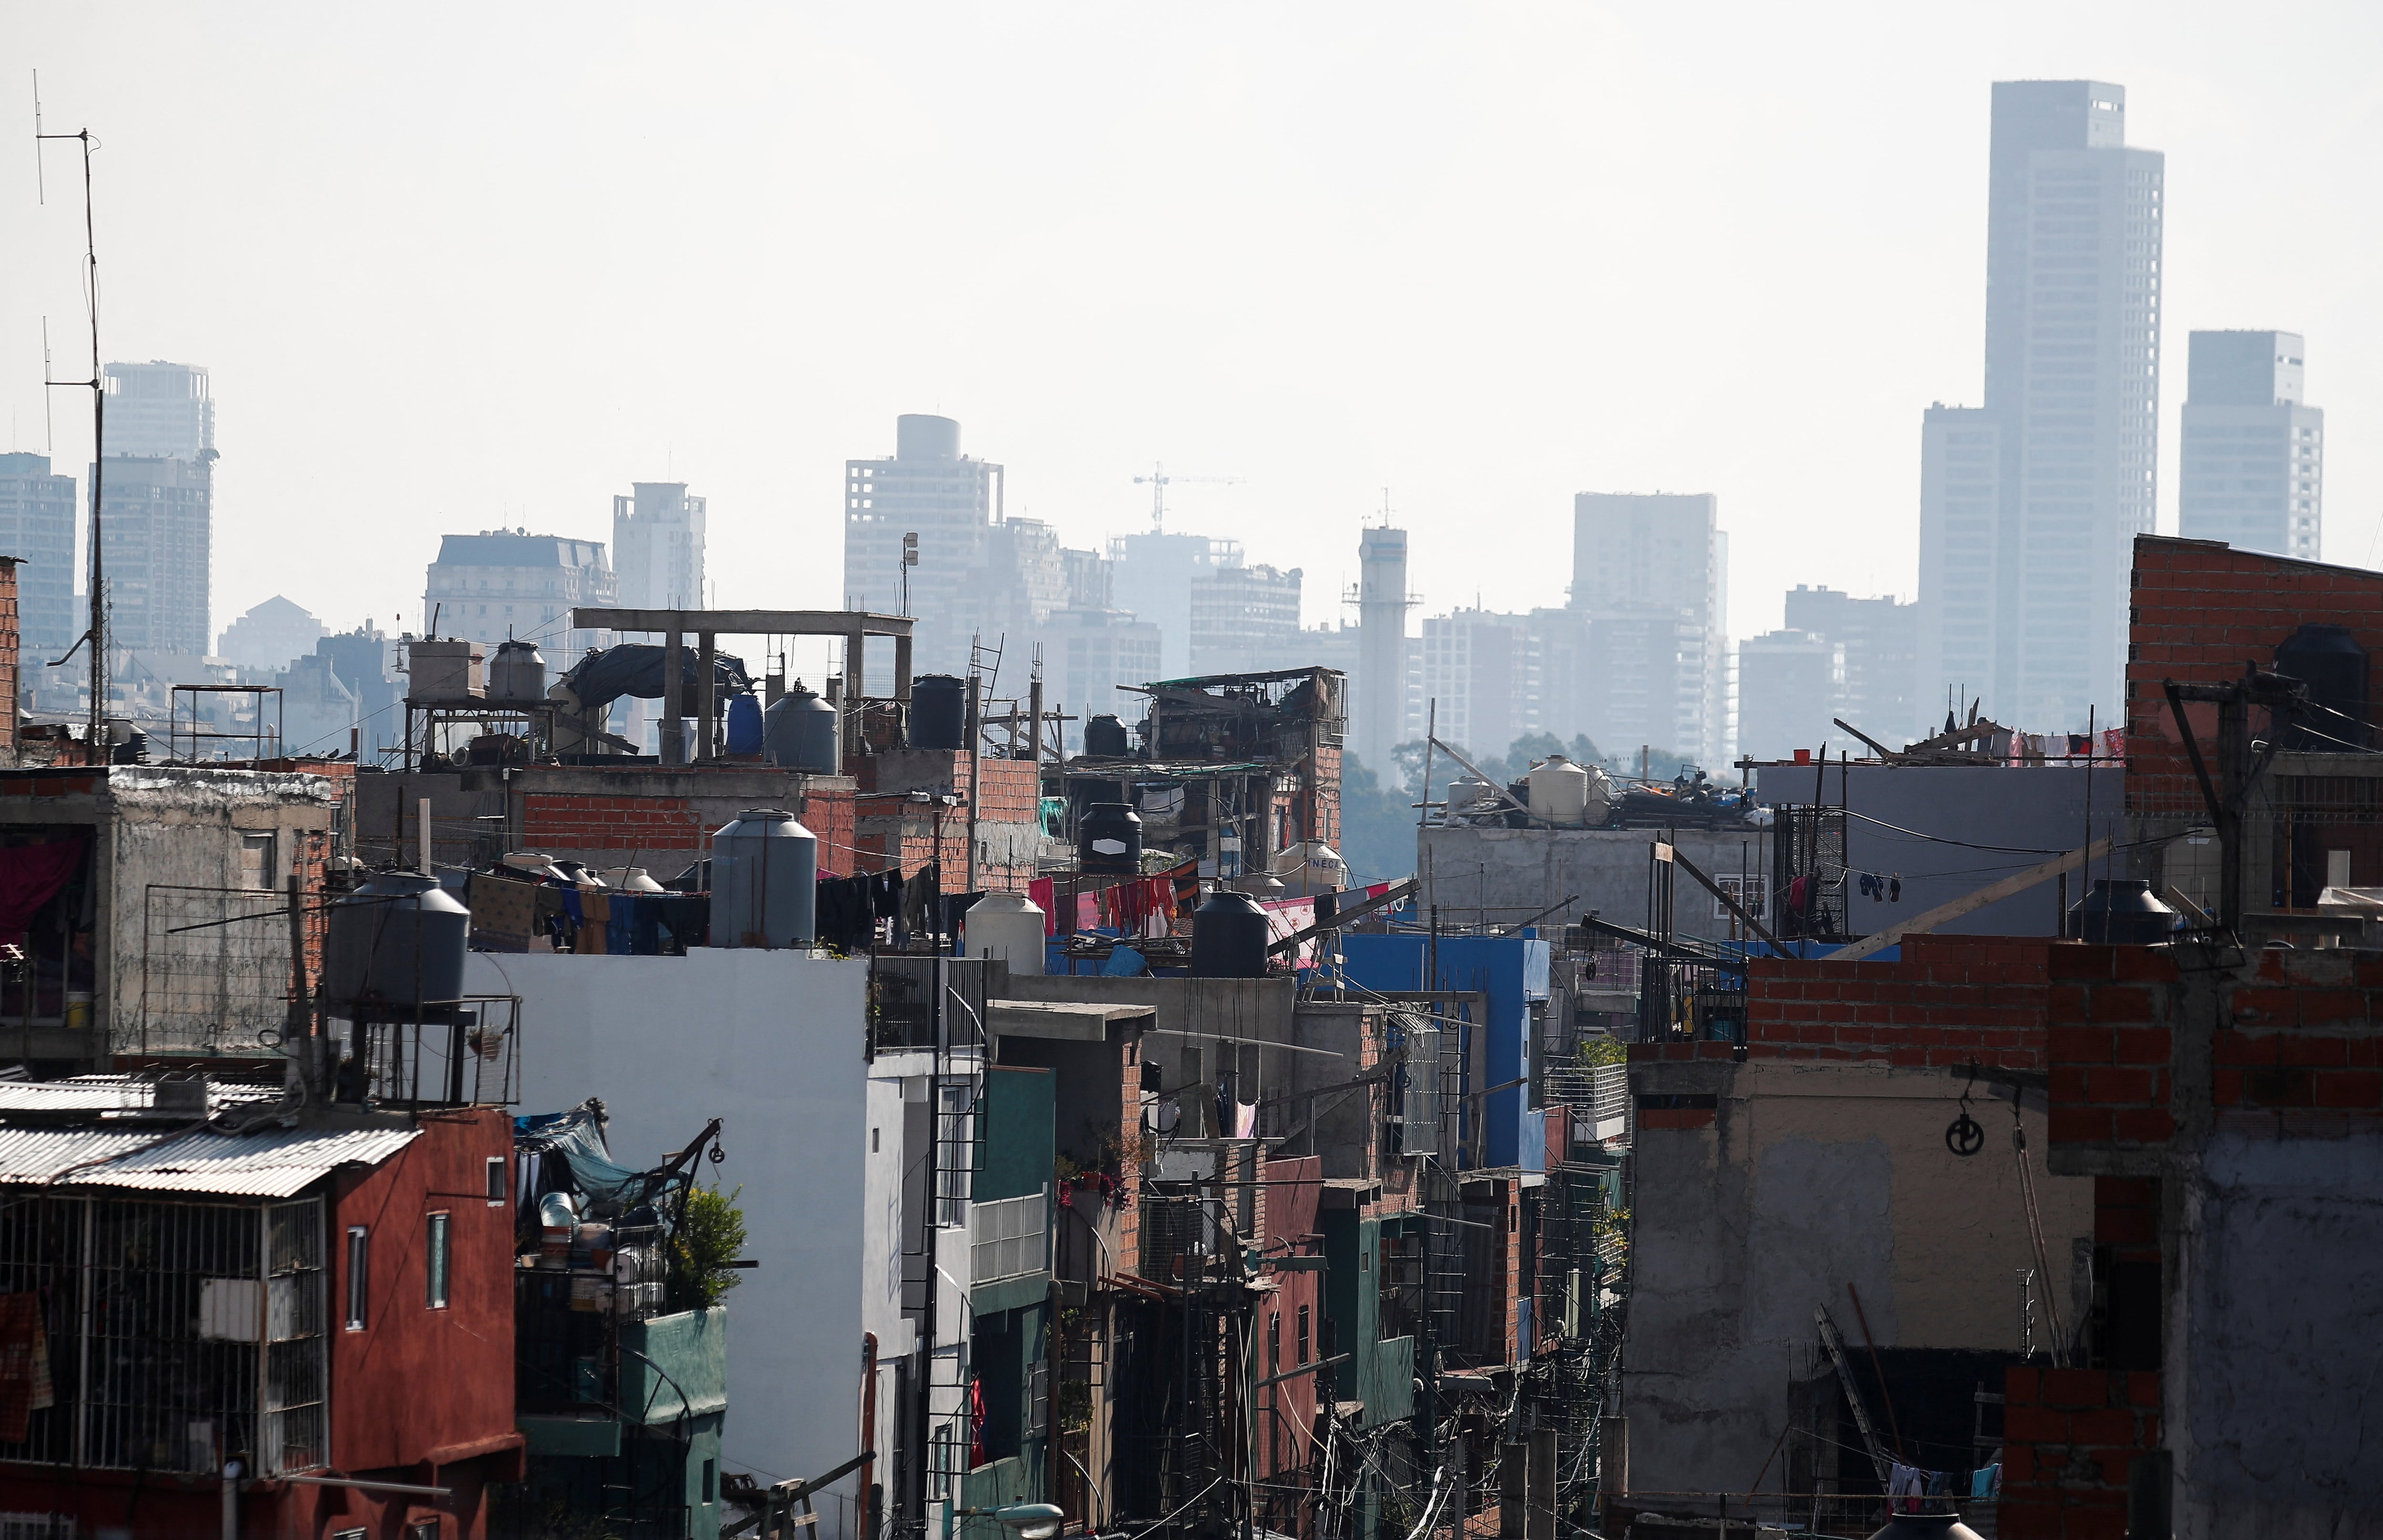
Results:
x,y
709,1237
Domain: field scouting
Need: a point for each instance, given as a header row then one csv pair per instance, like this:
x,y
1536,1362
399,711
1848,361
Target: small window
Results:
x,y
1302,1334
496,1181
257,866
872,1141
711,1482
1274,1342
359,1276
435,1272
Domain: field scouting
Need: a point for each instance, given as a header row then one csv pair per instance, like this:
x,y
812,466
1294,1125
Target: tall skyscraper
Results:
x,y
2030,504
160,411
37,526
1377,724
1244,619
158,507
1154,571
1880,638
1481,685
658,547
1790,683
2252,467
931,490
1657,565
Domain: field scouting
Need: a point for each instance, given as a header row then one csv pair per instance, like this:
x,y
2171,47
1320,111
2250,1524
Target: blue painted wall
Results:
x,y
1510,970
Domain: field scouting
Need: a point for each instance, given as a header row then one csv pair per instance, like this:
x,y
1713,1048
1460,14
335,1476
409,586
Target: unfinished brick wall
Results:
x,y
9,644
2110,1045
1950,1000
2069,1436
623,823
2200,610
2297,1050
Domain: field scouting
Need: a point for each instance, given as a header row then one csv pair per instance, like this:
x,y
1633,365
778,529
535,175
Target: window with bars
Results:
x,y
1007,1236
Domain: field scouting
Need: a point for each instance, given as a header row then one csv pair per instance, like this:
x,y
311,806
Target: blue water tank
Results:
x,y
764,881
744,724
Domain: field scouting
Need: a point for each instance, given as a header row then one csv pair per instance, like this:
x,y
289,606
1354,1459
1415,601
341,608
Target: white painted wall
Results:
x,y
770,1042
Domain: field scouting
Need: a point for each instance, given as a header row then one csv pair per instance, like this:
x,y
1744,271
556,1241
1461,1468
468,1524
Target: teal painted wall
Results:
x,y
1020,1129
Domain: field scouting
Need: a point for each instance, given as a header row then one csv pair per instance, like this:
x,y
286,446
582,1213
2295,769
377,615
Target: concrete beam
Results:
x,y
743,622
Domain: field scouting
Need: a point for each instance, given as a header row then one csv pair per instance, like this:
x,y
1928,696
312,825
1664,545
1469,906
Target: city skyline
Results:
x,y
1532,387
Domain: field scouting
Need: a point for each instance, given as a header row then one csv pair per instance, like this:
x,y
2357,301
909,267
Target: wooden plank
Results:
x,y
1992,893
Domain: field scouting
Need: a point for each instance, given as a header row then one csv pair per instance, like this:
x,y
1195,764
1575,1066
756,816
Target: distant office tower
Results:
x,y
2253,456
1244,619
1880,638
929,489
270,637
658,547
1020,577
2025,600
1092,663
160,411
1154,572
1377,692
1789,684
504,583
156,532
1480,682
37,526
1656,566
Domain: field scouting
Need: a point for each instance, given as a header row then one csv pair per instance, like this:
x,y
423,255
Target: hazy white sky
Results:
x,y
454,267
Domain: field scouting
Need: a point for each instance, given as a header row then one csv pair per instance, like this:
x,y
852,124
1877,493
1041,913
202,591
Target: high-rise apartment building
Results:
x,y
1881,638
505,583
2252,462
1790,683
156,531
1244,619
1656,566
2026,537
37,526
929,489
1480,682
658,547
1377,690
1154,571
160,411
1094,661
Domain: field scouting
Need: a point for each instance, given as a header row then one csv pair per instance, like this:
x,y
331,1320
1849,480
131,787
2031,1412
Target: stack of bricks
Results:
x,y
1950,1000
2070,1437
2109,1043
2200,612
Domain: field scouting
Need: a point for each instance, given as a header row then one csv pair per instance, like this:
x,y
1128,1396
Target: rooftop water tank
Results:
x,y
744,723
764,881
2120,911
938,713
1228,937
517,674
444,670
798,732
1469,795
1009,927
396,946
1109,840
1311,866
1559,793
1106,738
2330,662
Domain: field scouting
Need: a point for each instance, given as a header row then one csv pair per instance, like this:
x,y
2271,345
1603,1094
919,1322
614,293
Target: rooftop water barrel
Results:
x,y
444,670
2330,660
517,674
764,881
1228,937
798,732
744,723
1109,840
938,713
2120,911
1469,795
1008,926
1311,866
1559,793
394,945
1106,738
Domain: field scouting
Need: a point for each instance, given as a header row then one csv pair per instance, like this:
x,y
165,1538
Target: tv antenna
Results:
x,y
1158,480
95,636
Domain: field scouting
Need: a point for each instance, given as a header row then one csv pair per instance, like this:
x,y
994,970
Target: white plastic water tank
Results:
x,y
1311,866
1008,926
1559,793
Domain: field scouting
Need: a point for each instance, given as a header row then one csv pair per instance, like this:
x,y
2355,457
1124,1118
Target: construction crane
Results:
x,y
1158,480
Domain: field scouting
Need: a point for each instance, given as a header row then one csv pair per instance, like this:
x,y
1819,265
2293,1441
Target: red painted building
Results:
x,y
216,1279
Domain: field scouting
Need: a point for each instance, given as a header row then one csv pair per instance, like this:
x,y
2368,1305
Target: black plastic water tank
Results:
x,y
2120,911
1517,817
2330,662
938,713
1109,840
1106,738
1228,937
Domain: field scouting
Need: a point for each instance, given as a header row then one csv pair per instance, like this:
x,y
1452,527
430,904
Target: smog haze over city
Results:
x,y
456,267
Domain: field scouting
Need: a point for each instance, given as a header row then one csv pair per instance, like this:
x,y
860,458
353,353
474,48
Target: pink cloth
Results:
x,y
1038,892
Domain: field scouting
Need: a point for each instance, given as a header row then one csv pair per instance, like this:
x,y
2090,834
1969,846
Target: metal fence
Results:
x,y
214,969
166,1335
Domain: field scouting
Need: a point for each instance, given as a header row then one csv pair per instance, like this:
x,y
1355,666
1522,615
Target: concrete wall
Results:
x,y
770,1042
1804,1178
1510,874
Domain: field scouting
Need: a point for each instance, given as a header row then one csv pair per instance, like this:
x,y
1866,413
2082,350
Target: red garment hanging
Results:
x,y
31,875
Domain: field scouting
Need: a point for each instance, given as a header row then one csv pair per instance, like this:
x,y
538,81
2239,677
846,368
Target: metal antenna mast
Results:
x,y
96,636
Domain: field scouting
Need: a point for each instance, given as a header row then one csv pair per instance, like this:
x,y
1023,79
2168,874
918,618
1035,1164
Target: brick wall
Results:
x,y
622,824
2069,1436
8,640
2200,611
1948,1000
2109,1043
2298,1051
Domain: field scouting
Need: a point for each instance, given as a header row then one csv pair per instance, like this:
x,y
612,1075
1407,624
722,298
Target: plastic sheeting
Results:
x,y
636,669
576,1135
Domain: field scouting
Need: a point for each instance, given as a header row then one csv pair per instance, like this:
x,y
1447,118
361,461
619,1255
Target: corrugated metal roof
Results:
x,y
275,1162
113,1093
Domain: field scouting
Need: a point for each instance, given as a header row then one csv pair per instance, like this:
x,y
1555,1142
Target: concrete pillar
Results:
x,y
707,697
673,735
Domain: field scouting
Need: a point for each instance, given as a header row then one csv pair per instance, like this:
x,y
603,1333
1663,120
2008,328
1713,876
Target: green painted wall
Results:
x,y
1021,1131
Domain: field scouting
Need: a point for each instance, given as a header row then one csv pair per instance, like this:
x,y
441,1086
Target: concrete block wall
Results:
x,y
2070,1437
2200,610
